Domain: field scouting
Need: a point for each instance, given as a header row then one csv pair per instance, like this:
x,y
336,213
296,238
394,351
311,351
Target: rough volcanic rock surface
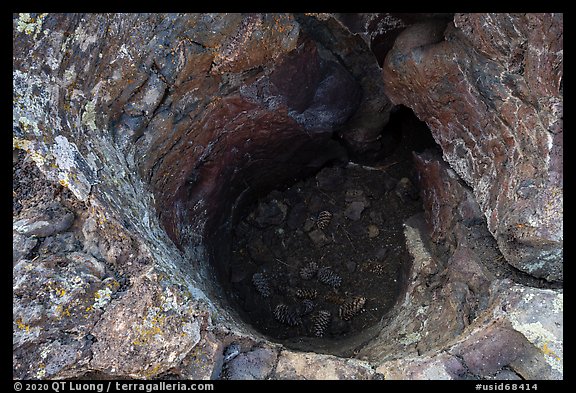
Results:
x,y
159,133
152,131
490,88
465,314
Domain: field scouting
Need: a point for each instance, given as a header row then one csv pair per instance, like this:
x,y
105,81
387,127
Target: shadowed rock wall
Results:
x,y
489,86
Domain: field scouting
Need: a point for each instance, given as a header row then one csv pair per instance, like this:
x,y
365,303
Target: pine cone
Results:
x,y
323,219
352,307
328,277
308,271
306,293
306,307
286,315
320,321
261,284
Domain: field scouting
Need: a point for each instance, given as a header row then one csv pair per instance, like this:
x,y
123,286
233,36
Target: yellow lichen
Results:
x,y
149,329
22,326
549,352
63,311
152,371
41,370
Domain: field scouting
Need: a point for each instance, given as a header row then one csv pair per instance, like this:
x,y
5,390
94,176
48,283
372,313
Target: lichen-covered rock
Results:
x,y
44,226
203,362
257,363
57,300
454,333
308,365
438,367
489,87
146,332
21,246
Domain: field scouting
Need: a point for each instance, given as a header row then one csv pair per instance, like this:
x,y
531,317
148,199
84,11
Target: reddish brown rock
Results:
x,y
446,200
474,83
489,351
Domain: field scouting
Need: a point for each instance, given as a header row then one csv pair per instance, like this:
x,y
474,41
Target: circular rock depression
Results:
x,y
315,258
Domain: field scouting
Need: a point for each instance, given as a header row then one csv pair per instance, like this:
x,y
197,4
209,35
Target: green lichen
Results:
x,y
103,297
28,147
29,25
89,116
558,303
411,338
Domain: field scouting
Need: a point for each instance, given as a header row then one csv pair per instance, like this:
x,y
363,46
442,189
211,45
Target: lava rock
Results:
x,y
319,238
21,246
388,182
231,351
330,179
297,216
376,217
270,213
356,196
406,190
60,243
54,219
259,252
309,224
350,266
254,364
382,253
354,210
315,366
505,139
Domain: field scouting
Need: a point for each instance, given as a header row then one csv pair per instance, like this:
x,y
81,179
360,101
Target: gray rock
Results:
x,y
204,362
330,179
318,237
354,210
356,196
21,246
270,213
297,216
308,365
489,351
506,375
255,364
56,301
60,243
406,190
54,219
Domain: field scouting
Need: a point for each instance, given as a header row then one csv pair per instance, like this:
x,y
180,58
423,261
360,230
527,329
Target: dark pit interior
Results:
x,y
316,263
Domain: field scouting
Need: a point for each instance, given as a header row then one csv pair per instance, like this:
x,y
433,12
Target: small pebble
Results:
x,y
231,352
373,231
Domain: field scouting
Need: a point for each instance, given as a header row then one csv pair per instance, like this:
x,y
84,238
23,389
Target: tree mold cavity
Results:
x,y
308,249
